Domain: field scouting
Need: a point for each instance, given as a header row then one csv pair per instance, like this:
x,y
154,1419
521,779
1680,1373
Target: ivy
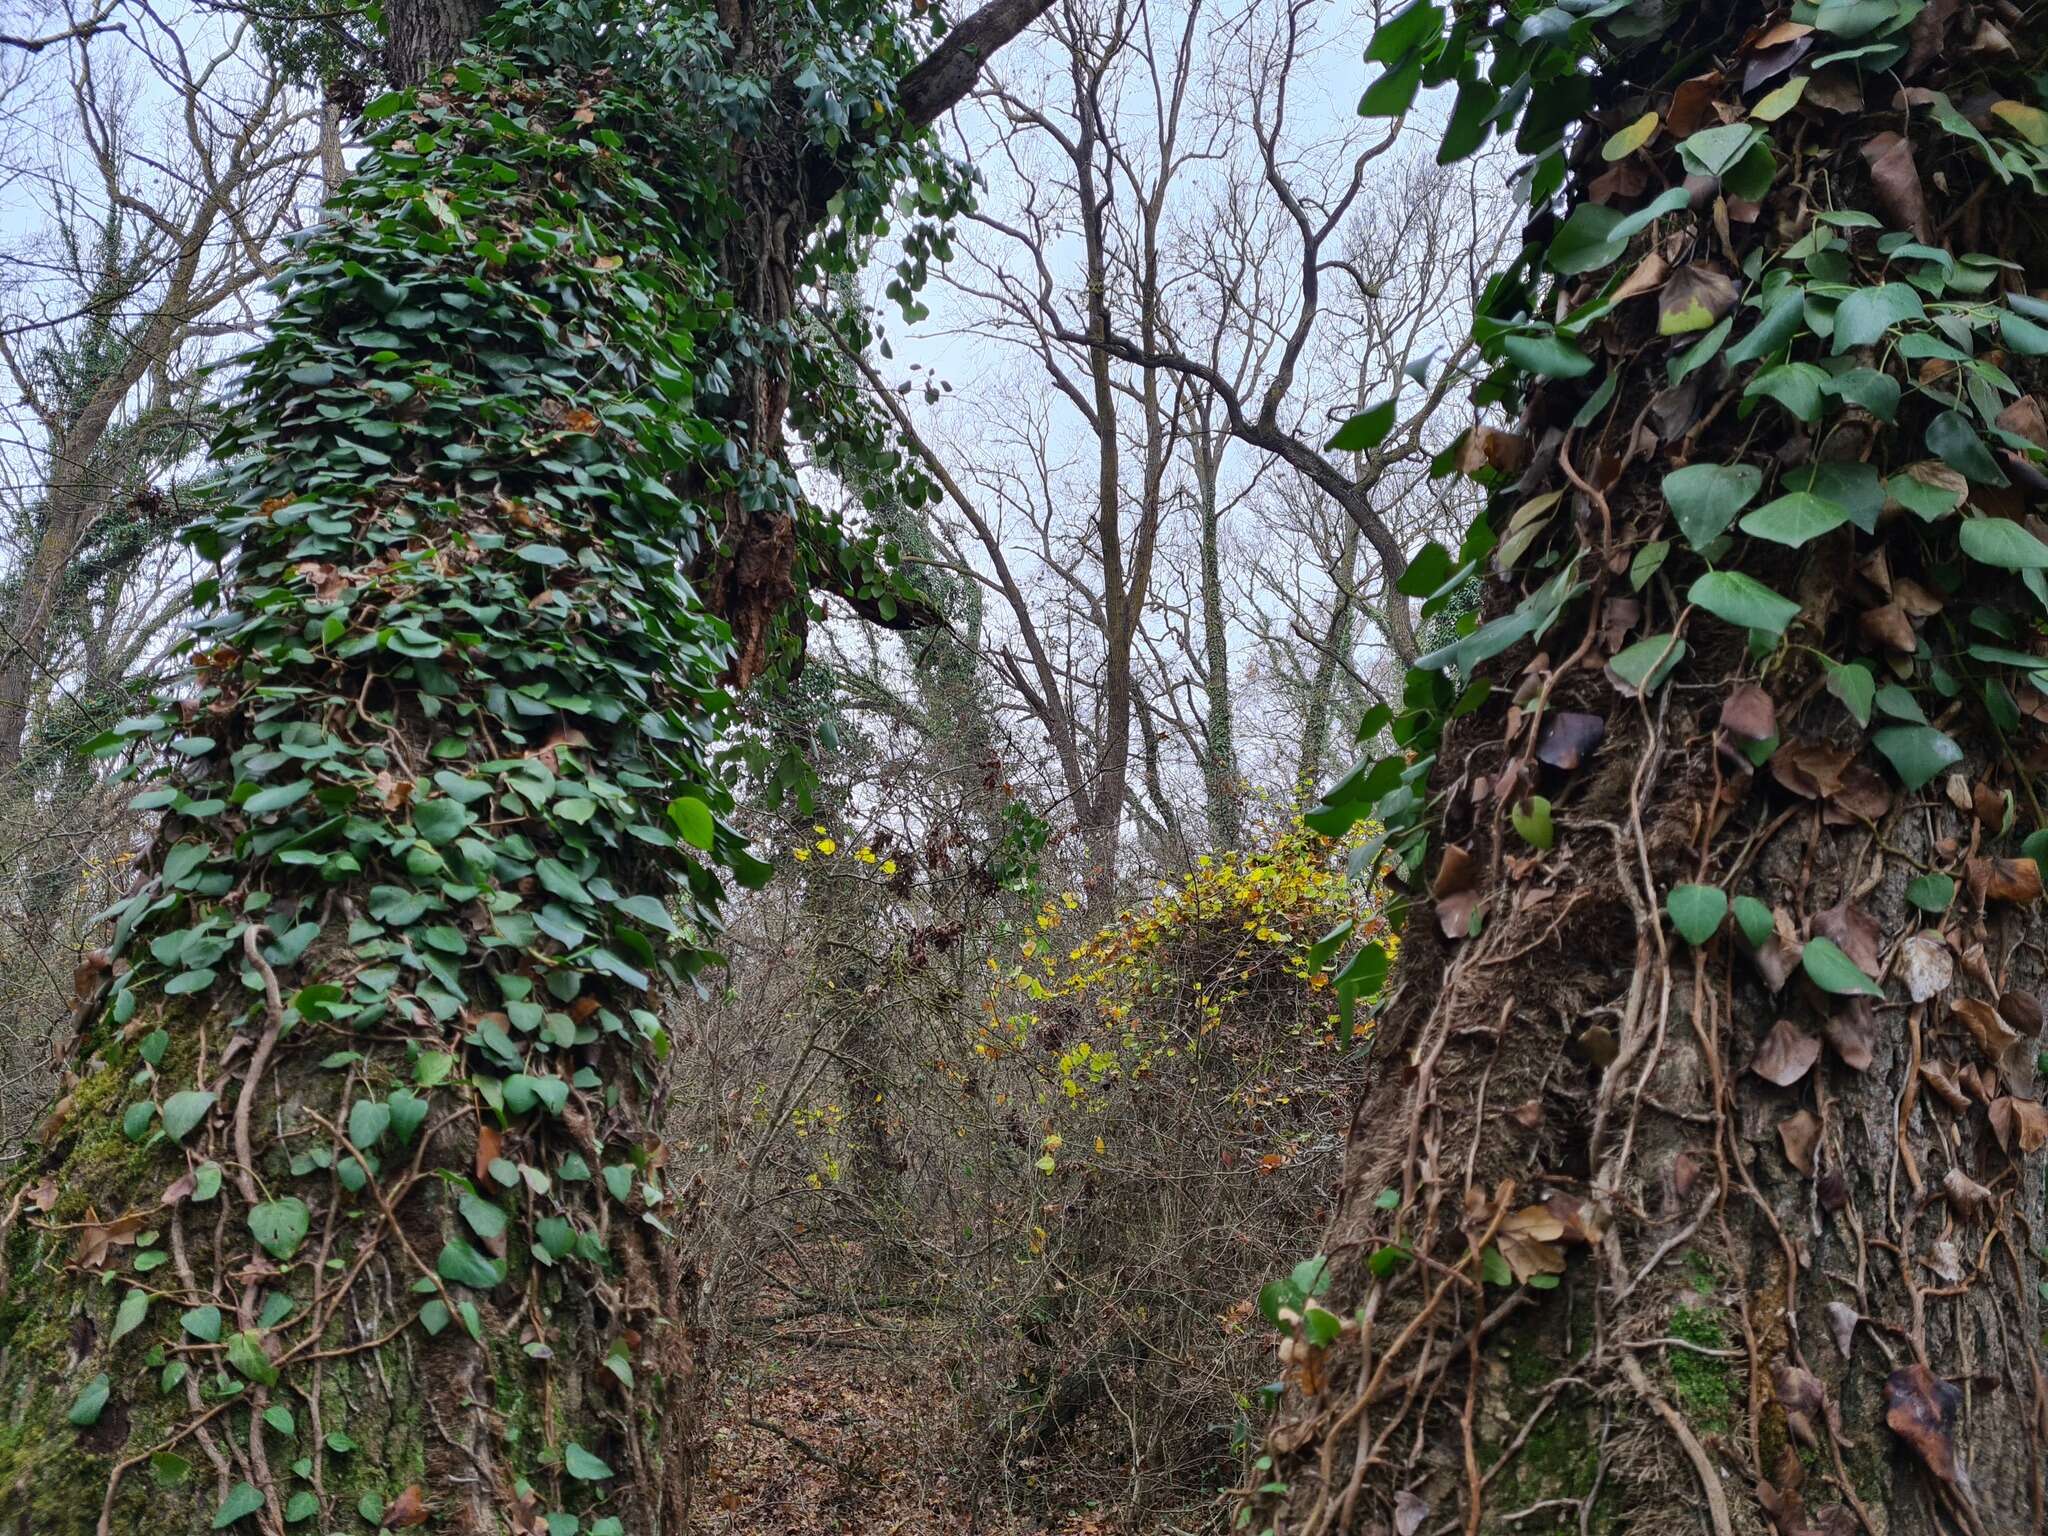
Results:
x,y
444,784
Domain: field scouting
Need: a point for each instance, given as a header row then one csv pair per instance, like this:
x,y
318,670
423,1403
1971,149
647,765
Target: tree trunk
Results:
x,y
422,35
1331,654
1658,1216
353,1205
1222,792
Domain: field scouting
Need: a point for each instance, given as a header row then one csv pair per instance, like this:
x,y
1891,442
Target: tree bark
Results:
x,y
1222,791
423,35
1652,1219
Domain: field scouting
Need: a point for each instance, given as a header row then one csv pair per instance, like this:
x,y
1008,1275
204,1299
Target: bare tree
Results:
x,y
189,164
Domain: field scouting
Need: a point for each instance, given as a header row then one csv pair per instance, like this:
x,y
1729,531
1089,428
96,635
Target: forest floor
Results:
x,y
831,1425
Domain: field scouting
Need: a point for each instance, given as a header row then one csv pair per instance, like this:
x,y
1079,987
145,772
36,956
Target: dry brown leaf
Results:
x,y
1926,965
1454,914
1992,1034
1491,448
1647,277
1569,738
1854,931
1936,1077
1527,1239
1778,956
96,1239
1749,713
1786,1055
1966,1197
1410,1510
407,1510
1583,1221
1456,871
2025,417
1994,879
1692,105
1833,1190
1920,1408
1810,769
1919,602
1864,796
1842,1321
1769,62
2019,1122
1799,1134
1888,628
1897,180
1834,90
488,1142
1803,1398
1852,1033
1988,806
2022,1010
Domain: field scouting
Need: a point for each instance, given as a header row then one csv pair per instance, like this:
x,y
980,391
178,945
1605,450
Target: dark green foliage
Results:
x,y
441,790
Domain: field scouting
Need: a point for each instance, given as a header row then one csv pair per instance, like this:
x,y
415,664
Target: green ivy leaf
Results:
x,y
1743,601
440,821
1952,439
692,818
1796,519
583,1466
1795,386
1917,752
1705,498
2000,542
134,1308
1865,315
1852,683
1532,822
463,1265
246,1354
279,797
1594,236
1931,893
1549,356
280,1225
1833,971
183,1111
1367,430
242,1500
485,1219
368,1120
1755,921
1696,911
1642,668
86,1407
2022,335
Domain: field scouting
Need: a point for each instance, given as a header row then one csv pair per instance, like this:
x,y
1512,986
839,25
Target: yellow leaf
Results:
x,y
2030,123
1780,101
1630,139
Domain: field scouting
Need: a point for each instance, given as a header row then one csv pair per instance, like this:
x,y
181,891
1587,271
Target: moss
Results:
x,y
1705,1385
1561,1456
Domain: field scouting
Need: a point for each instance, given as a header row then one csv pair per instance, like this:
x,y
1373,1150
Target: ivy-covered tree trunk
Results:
x,y
1700,1184
352,1215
